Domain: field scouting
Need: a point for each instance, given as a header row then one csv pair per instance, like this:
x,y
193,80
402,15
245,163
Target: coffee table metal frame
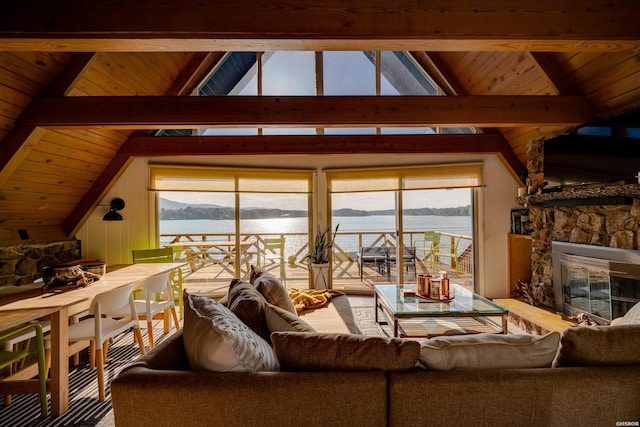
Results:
x,y
395,305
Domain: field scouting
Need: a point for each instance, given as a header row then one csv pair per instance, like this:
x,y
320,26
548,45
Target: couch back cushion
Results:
x,y
300,351
489,351
216,340
599,345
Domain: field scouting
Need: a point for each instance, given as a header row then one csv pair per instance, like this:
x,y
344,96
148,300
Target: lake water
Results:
x,y
377,223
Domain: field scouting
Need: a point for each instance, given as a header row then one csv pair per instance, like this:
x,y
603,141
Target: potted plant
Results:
x,y
318,257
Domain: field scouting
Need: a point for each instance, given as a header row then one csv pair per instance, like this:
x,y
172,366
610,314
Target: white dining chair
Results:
x,y
157,294
98,329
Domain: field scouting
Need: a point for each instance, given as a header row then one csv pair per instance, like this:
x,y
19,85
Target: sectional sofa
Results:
x,y
309,377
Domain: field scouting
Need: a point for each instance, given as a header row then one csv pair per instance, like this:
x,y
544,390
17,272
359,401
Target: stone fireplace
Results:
x,y
603,283
603,226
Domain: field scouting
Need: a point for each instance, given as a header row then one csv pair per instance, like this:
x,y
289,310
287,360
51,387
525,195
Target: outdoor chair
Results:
x,y
9,358
449,250
163,255
273,251
408,258
373,255
100,328
430,247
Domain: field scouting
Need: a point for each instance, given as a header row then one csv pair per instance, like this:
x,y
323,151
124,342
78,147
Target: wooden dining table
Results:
x,y
58,306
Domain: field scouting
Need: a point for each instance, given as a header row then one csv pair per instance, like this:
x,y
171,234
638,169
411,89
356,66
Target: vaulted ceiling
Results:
x,y
82,83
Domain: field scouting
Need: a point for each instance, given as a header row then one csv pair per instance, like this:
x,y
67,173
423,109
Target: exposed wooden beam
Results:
x,y
444,82
172,146
551,71
140,112
259,25
196,70
98,190
21,139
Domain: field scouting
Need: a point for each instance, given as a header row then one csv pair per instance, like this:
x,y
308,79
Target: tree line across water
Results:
x,y
194,212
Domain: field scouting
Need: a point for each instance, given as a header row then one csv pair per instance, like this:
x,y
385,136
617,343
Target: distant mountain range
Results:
x,y
171,210
171,204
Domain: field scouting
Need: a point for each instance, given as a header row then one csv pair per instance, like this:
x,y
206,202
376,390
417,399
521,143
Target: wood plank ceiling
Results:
x,y
71,122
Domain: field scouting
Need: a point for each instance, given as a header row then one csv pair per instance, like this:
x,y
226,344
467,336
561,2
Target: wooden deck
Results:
x,y
214,279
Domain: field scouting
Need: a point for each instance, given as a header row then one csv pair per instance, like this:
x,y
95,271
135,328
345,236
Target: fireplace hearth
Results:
x,y
601,282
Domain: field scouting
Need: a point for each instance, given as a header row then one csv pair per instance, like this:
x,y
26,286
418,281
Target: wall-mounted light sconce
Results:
x,y
117,204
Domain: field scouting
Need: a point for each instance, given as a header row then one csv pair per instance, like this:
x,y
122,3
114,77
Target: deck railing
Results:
x,y
346,248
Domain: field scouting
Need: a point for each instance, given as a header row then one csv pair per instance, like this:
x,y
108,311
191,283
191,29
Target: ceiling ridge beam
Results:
x,y
145,112
256,25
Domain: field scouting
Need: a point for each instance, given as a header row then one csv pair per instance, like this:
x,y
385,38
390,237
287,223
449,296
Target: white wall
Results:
x,y
113,241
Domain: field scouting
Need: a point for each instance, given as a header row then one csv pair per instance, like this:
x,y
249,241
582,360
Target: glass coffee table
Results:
x,y
411,316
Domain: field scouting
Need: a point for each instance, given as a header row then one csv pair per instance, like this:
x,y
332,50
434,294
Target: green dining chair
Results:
x,y
162,255
7,358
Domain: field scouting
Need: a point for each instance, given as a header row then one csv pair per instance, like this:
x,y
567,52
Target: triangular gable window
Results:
x,y
303,73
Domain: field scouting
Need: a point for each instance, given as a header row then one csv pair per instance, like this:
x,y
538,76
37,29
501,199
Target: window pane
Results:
x,y
401,76
349,73
447,216
367,220
288,73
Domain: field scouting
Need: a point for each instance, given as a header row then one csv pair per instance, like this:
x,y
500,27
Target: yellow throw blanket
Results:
x,y
308,299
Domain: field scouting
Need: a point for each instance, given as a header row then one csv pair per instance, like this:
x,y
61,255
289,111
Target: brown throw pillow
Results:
x,y
248,305
271,288
303,351
599,345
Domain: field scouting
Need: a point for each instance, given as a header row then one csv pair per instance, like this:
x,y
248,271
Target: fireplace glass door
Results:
x,y
601,288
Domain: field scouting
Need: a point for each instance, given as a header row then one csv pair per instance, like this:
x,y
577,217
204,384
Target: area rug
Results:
x,y
85,410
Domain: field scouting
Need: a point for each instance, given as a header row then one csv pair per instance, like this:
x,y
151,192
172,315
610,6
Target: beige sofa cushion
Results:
x,y
299,351
282,320
249,305
489,351
335,317
599,345
271,288
216,340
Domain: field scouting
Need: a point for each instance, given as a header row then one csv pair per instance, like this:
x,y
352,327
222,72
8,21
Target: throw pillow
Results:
x,y
216,340
489,351
279,319
271,288
302,351
599,345
248,304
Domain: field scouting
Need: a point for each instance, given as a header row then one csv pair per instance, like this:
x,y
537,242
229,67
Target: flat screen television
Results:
x,y
574,160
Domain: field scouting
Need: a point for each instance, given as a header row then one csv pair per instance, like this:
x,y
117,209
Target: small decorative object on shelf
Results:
x,y
520,221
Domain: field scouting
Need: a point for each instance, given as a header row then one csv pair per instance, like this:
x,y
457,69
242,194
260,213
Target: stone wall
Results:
x,y
23,264
612,226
